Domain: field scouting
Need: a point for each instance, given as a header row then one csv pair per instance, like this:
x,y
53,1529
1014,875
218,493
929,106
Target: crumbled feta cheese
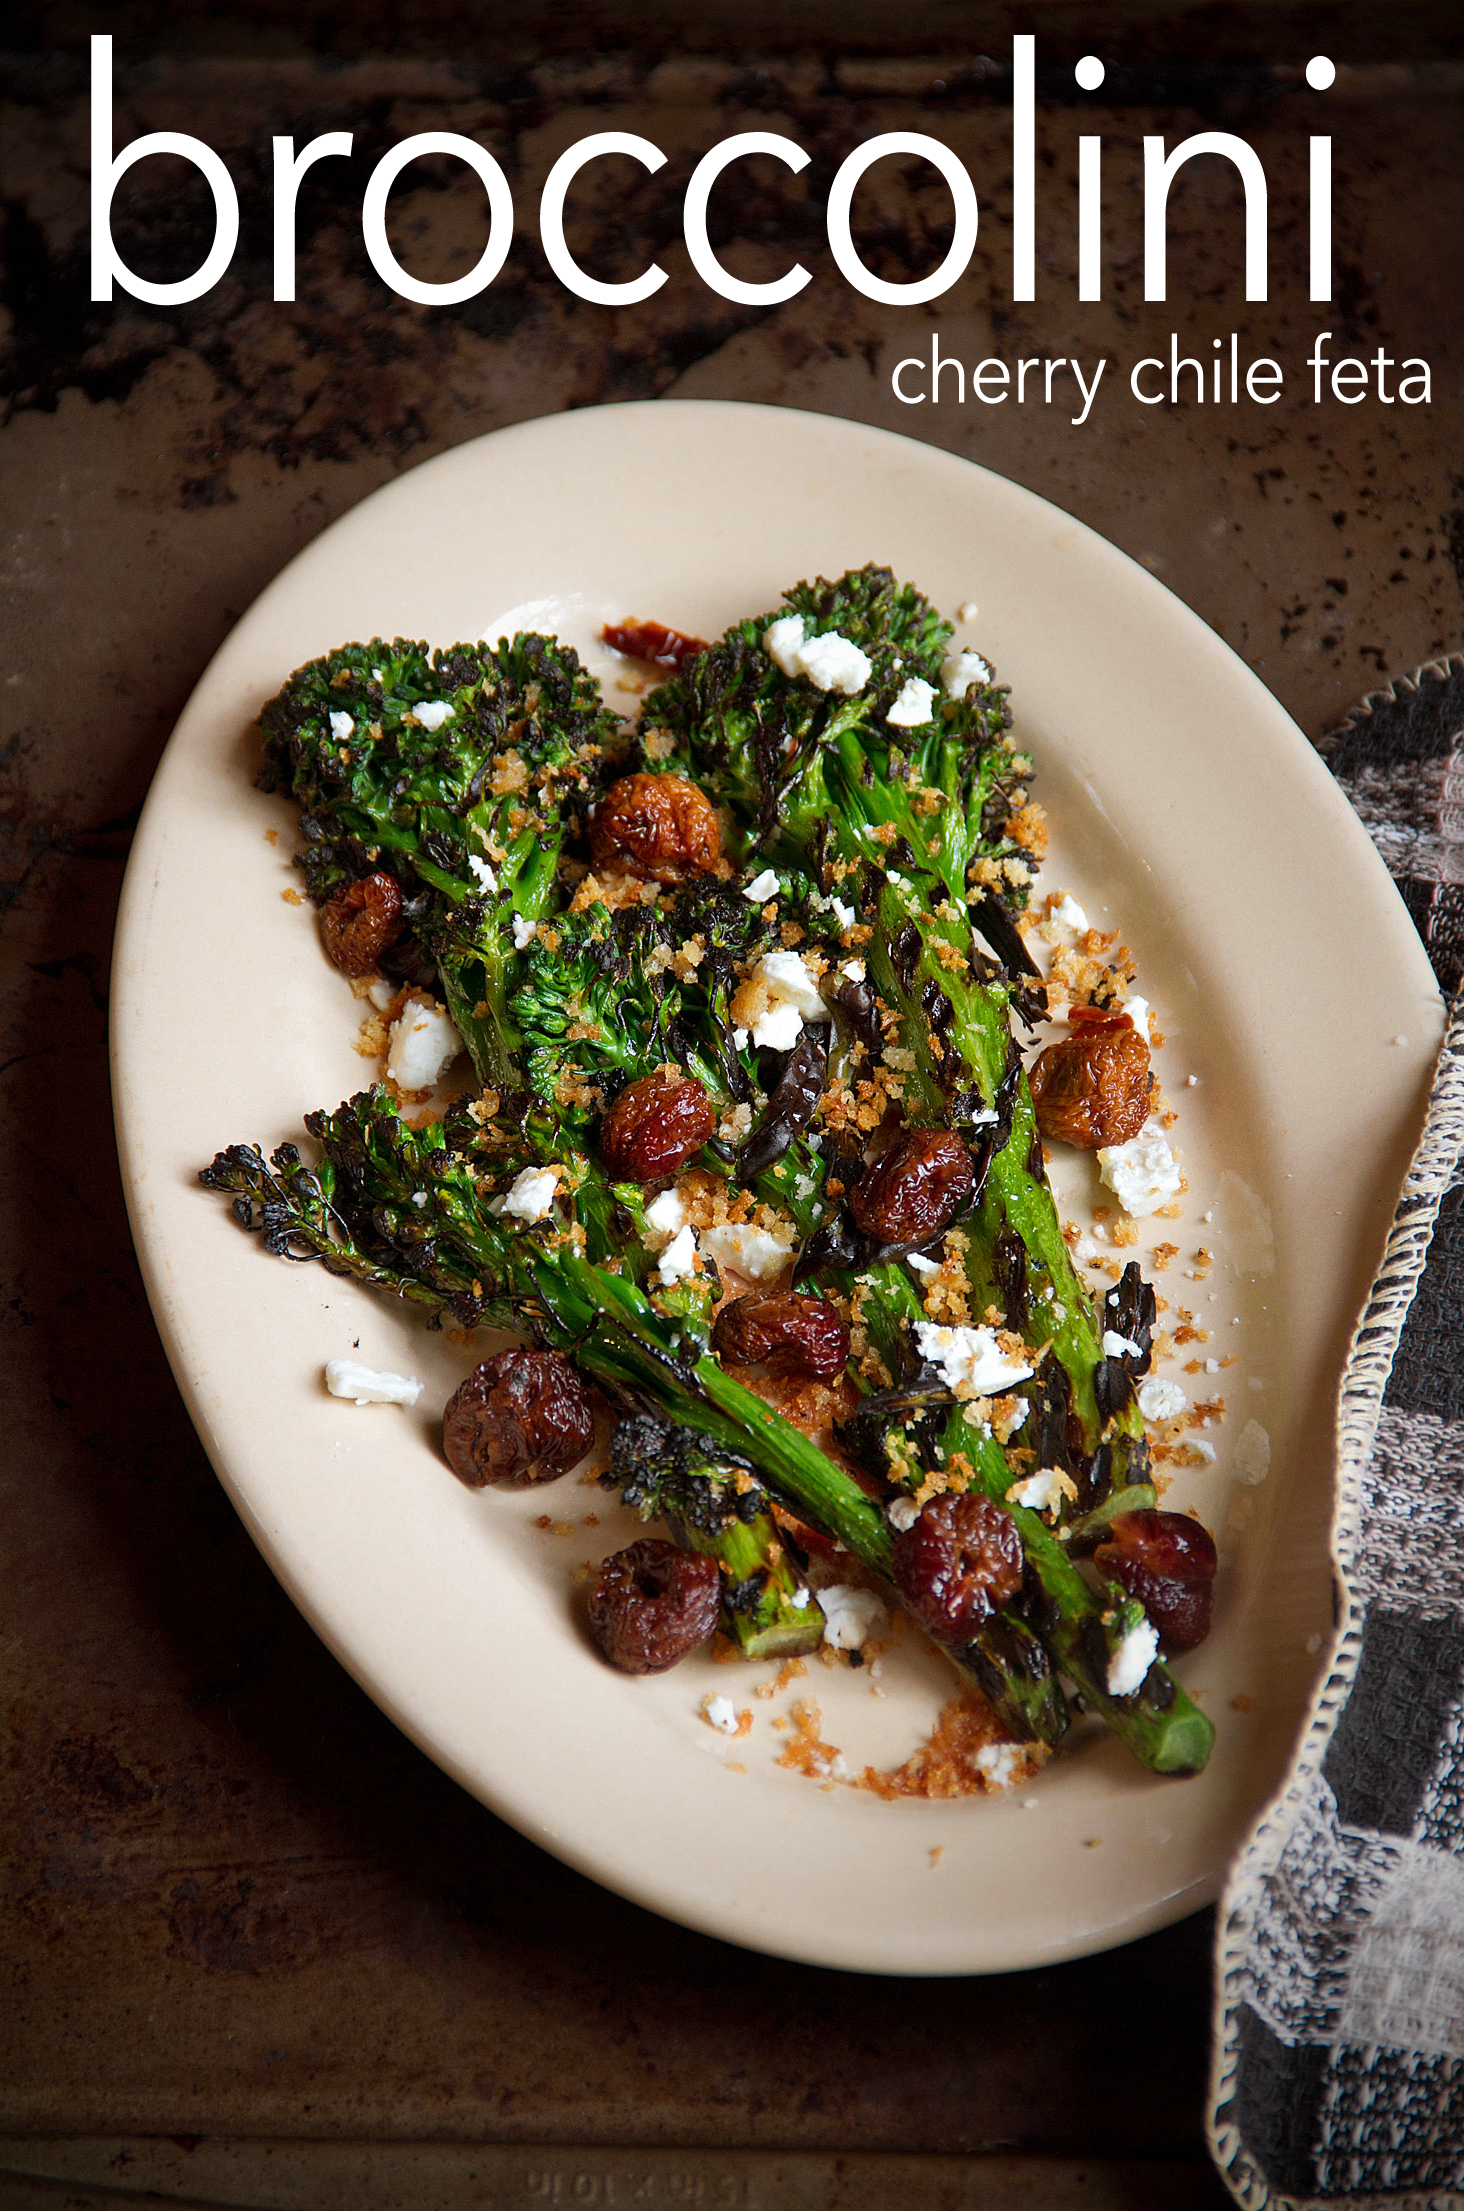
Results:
x,y
849,1615
831,662
524,932
666,1213
921,1264
788,976
1135,1653
855,970
678,1257
971,1355
1041,1492
342,726
424,1043
761,887
381,990
1142,1174
962,670
748,1250
419,1199
1253,1454
1137,1009
1119,1347
967,611
913,705
1068,914
781,641
720,1713
1001,1764
834,663
1161,1400
530,1195
1206,1450
902,1513
739,1038
799,1600
368,1386
435,712
779,1026
791,997
481,873
844,914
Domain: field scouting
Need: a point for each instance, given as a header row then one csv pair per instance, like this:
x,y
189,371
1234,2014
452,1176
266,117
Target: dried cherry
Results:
x,y
1092,1087
914,1189
360,921
521,1417
658,826
652,1604
1167,1561
655,1126
959,1562
781,1330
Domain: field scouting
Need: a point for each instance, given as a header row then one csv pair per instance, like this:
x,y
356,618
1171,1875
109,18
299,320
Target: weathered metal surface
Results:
x,y
235,1901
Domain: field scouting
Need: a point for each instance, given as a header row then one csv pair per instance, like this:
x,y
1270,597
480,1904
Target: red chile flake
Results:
x,y
652,641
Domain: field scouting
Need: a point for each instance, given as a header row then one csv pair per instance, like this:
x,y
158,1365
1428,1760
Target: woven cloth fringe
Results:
x,y
1365,1377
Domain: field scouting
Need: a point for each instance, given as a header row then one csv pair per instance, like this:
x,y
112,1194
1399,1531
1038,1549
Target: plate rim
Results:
x,y
131,1138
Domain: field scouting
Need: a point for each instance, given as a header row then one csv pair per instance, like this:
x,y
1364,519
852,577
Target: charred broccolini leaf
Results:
x,y
606,997
458,773
710,1498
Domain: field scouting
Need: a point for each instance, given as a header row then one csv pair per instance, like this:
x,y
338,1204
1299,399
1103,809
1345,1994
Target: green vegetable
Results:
x,y
468,815
914,838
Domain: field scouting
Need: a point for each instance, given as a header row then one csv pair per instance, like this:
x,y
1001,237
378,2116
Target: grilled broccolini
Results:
x,y
878,837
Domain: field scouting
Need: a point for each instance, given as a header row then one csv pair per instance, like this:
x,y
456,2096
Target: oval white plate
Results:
x,y
1187,808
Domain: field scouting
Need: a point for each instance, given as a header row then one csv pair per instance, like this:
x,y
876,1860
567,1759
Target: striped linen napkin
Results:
x,y
1339,2047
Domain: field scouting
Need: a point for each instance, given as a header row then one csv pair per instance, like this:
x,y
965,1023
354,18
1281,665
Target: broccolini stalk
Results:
x,y
911,824
712,1502
912,828
454,772
922,1428
357,1211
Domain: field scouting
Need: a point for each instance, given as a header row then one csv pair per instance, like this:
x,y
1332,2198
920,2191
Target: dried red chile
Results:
x,y
660,827
959,1563
1167,1561
783,1331
652,641
652,1604
655,1126
360,921
1092,1087
915,1189
521,1417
